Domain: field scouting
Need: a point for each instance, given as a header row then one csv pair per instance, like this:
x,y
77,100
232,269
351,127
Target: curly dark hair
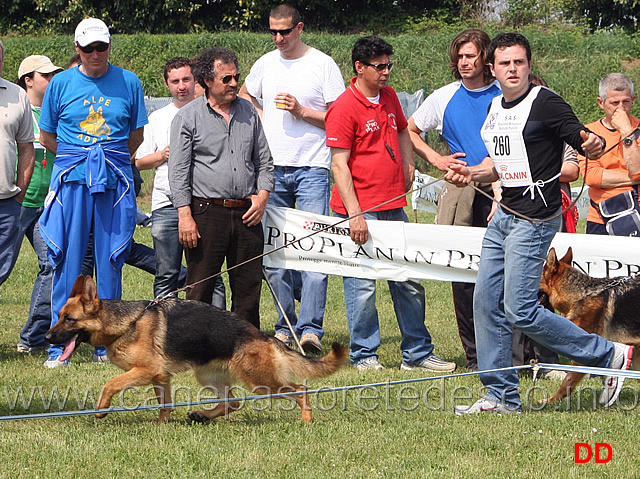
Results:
x,y
204,64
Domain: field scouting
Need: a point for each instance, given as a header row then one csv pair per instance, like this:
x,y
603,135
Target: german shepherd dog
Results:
x,y
604,306
154,343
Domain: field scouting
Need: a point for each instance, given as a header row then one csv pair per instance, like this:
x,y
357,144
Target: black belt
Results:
x,y
244,203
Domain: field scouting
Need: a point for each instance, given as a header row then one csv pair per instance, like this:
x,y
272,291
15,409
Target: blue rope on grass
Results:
x,y
87,412
560,367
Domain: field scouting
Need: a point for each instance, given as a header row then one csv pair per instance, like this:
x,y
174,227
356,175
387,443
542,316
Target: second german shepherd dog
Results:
x,y
605,306
154,343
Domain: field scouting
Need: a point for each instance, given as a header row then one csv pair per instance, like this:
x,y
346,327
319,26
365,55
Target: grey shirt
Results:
x,y
211,158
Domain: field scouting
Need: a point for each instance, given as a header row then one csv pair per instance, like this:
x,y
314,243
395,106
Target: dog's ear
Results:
x,y
552,261
568,258
90,299
78,287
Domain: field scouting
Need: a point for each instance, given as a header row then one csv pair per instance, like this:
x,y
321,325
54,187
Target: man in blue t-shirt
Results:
x,y
457,111
92,119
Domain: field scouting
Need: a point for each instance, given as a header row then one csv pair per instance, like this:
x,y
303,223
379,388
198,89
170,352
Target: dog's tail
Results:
x,y
295,365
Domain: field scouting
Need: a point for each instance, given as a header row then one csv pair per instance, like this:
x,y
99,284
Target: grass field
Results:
x,y
392,431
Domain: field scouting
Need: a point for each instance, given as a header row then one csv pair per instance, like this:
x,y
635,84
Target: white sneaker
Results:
x,y
52,363
612,385
100,358
368,363
432,364
485,404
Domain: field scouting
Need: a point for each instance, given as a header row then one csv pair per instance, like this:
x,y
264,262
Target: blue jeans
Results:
x,y
506,297
39,320
9,224
169,272
408,303
166,243
308,188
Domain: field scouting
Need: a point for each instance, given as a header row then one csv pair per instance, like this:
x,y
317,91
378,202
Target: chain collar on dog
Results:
x,y
618,281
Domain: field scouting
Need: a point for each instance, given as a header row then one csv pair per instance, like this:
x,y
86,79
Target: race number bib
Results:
x,y
502,133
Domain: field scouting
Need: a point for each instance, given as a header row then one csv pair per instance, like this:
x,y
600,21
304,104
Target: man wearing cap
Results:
x,y
34,75
92,119
16,134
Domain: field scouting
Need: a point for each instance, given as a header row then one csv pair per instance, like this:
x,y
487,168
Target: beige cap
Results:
x,y
92,30
37,63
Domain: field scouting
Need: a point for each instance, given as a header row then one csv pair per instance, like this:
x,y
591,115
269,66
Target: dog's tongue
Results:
x,y
68,348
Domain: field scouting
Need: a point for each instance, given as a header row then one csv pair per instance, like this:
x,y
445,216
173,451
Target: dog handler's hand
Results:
x,y
187,228
459,175
359,230
592,146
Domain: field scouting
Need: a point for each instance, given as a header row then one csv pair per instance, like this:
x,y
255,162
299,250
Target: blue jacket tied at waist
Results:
x,y
100,163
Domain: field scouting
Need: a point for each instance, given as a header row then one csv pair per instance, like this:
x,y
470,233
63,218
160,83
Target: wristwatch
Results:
x,y
628,140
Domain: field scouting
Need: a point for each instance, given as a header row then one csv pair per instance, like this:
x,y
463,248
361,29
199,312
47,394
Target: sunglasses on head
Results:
x,y
227,78
101,47
380,66
284,32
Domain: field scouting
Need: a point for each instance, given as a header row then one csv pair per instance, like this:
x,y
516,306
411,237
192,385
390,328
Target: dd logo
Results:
x,y
589,452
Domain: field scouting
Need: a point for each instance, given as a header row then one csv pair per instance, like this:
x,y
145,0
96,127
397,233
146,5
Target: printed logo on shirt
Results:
x,y
392,121
371,126
94,125
491,121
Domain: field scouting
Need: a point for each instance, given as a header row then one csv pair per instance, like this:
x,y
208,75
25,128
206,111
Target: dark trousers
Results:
x,y
223,235
463,292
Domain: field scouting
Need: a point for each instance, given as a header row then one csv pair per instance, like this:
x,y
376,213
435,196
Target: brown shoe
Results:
x,y
285,338
311,343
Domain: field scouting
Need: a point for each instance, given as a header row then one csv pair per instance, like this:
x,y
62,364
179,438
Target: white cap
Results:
x,y
92,30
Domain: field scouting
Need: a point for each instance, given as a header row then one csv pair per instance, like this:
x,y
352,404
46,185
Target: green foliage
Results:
x,y
572,63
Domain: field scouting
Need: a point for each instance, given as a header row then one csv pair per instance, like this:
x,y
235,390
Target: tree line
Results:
x,y
42,17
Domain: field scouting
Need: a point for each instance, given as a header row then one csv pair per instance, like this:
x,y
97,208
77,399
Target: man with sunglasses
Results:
x,y
372,163
92,119
220,176
294,125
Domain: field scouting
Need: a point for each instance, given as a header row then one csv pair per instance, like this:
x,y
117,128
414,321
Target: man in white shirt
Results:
x,y
297,84
154,153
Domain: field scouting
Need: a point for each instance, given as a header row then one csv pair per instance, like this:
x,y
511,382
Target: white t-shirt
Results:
x,y
314,80
156,138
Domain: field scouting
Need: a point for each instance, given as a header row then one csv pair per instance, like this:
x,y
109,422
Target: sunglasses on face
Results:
x,y
101,47
227,78
380,66
284,32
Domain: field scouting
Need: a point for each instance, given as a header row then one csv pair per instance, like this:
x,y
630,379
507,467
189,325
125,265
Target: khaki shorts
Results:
x,y
455,205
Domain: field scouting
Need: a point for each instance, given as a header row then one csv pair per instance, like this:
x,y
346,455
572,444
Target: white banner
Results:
x,y
399,251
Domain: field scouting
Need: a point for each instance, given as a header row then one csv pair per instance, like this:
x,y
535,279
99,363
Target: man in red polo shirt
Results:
x,y
372,162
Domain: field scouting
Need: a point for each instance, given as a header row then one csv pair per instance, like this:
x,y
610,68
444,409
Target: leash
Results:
x,y
560,367
573,202
158,299
285,245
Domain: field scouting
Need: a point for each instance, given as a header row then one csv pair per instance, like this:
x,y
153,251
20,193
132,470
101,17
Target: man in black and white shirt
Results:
x,y
524,133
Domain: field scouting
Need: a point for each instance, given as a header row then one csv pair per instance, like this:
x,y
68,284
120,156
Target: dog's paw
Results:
x,y
196,416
